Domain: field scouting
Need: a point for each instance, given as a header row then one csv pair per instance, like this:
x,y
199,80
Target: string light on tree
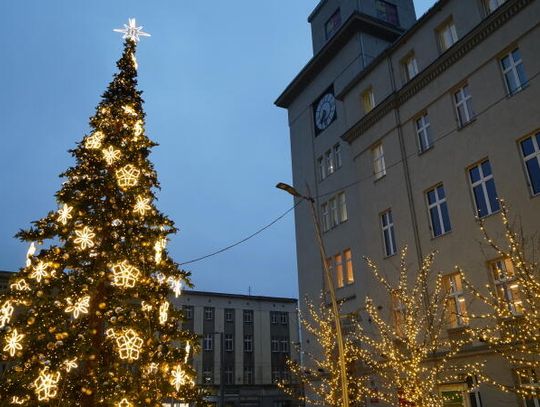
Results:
x,y
46,384
5,313
137,130
70,364
142,205
20,285
163,312
124,403
176,285
41,271
94,141
30,253
79,307
127,176
13,342
110,154
84,238
159,246
129,345
19,400
129,110
125,275
64,214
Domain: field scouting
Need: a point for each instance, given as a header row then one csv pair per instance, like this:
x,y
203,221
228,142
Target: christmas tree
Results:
x,y
88,321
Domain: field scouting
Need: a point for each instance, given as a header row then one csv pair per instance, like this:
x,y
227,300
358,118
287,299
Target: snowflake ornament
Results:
x,y
129,345
110,155
5,313
46,384
79,307
127,176
142,205
64,214
125,275
13,342
84,238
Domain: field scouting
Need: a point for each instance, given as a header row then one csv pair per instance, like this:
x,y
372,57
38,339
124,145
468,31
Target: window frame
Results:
x,y
384,15
455,295
462,97
423,132
348,267
450,26
535,155
228,342
388,230
284,318
208,342
488,4
482,183
248,343
248,316
209,313
187,312
368,100
510,290
513,70
337,16
438,203
409,61
248,375
379,164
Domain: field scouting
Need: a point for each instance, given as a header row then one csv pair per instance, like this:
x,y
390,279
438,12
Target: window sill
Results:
x,y
427,150
390,255
517,91
467,124
441,235
489,215
377,179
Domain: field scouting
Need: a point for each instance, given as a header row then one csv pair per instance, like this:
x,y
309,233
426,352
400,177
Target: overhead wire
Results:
x,y
346,186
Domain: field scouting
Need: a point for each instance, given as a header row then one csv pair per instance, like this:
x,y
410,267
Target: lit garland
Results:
x,y
512,333
46,384
84,238
176,285
79,307
58,332
41,271
127,176
129,345
142,205
125,275
13,342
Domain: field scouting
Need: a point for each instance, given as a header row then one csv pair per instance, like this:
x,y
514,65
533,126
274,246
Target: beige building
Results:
x,y
246,340
405,130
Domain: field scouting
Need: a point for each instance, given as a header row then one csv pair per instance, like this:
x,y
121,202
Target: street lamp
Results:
x,y
330,283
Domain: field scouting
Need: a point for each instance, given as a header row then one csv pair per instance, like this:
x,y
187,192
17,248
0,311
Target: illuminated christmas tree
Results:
x,y
320,371
511,327
88,322
406,352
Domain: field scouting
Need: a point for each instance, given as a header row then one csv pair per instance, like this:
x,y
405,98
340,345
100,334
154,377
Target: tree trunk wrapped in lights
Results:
x,y
320,373
511,327
88,321
408,359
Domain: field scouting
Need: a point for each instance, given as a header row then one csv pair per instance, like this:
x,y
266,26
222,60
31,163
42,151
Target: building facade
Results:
x,y
405,131
245,342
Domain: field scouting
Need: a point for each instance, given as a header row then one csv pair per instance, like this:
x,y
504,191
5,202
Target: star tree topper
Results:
x,y
131,31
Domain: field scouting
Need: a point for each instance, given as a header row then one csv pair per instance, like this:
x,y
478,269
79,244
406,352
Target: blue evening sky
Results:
x,y
210,73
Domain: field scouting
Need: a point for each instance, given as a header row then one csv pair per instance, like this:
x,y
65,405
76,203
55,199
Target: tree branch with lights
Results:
x,y
88,320
511,325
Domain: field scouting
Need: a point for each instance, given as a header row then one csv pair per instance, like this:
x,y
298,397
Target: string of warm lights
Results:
x,y
87,321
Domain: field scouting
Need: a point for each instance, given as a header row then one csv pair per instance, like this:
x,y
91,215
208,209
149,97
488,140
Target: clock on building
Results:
x,y
324,110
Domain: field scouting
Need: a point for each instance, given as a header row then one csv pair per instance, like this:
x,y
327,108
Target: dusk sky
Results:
x,y
210,73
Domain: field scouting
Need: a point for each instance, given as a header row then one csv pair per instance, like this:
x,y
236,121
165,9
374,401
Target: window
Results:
x,y
389,238
492,5
274,317
455,301
325,216
483,188
447,35
338,267
342,204
334,215
529,378
502,272
463,103
329,162
398,311
423,131
513,71
229,375
438,211
188,312
410,67
322,168
284,318
332,25
368,100
330,166
379,167
248,316
284,345
337,156
248,343
208,313
208,376
229,342
349,274
275,344
229,315
208,342
387,12
530,149
248,374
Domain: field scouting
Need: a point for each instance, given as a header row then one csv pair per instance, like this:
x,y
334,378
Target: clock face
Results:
x,y
325,113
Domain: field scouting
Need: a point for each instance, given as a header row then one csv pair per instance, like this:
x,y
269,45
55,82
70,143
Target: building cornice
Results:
x,y
482,31
357,22
239,296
